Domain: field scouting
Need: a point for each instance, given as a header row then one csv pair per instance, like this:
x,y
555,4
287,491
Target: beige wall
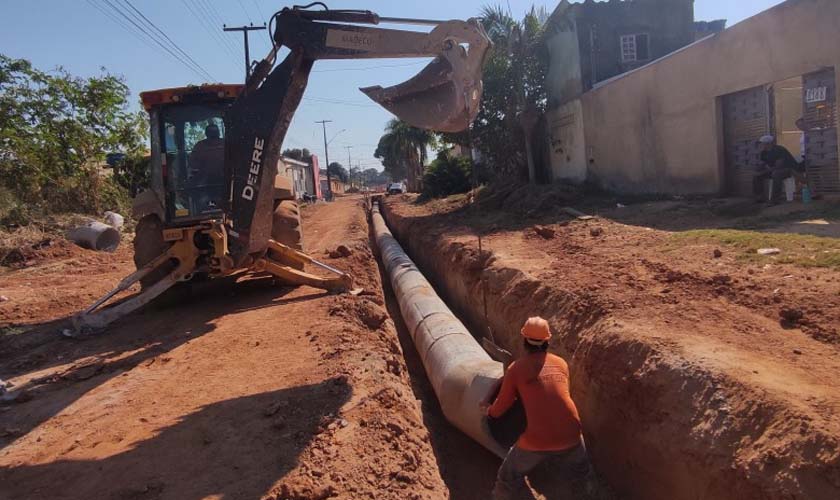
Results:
x,y
563,76
566,143
787,96
658,128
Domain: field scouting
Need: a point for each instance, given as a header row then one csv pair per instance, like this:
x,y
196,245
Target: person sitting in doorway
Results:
x,y
777,165
540,380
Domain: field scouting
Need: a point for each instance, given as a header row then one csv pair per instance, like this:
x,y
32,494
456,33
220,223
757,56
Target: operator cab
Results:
x,y
187,129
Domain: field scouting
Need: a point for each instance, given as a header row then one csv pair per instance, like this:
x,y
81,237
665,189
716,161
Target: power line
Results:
x,y
245,11
213,20
205,23
191,65
211,10
215,17
198,70
259,9
338,101
110,15
153,25
367,67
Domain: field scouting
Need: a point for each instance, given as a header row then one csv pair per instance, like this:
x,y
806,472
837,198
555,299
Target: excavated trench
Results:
x,y
466,467
451,375
651,424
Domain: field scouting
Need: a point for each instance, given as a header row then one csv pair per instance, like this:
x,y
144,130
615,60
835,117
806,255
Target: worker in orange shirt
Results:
x,y
541,382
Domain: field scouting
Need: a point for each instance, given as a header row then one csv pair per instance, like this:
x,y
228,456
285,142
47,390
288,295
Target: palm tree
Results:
x,y
517,62
403,149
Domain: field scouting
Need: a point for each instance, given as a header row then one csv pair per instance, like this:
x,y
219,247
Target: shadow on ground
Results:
x,y
70,368
228,449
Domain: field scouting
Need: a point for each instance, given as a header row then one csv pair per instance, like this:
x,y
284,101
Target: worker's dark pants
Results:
x,y
572,465
777,175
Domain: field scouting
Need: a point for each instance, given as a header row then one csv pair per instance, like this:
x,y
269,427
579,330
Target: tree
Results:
x,y
299,154
395,165
337,170
55,130
372,177
404,147
355,180
514,88
447,175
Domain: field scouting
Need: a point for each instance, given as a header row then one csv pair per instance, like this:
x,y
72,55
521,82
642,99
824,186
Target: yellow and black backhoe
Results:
x,y
215,206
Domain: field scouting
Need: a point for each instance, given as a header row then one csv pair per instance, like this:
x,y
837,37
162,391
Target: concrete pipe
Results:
x,y
95,236
460,371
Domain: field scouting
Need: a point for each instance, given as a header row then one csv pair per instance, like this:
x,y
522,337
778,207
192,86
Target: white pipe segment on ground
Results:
x,y
95,236
461,372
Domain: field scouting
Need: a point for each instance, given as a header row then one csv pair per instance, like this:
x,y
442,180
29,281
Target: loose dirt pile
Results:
x,y
56,280
249,391
697,375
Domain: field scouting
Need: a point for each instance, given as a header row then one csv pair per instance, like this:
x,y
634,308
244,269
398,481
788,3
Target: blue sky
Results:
x,y
80,37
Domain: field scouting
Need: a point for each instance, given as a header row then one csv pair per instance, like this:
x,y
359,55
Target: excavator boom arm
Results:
x,y
443,97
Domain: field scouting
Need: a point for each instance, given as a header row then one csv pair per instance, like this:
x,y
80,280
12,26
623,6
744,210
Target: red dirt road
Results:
x,y
247,391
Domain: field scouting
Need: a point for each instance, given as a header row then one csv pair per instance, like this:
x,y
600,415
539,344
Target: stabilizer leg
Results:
x,y
282,256
96,316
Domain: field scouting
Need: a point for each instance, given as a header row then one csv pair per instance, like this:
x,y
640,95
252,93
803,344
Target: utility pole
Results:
x,y
327,158
245,30
349,166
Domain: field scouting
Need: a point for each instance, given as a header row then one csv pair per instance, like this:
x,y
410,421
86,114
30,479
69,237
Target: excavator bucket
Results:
x,y
445,96
432,99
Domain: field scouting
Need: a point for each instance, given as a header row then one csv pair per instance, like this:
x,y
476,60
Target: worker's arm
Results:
x,y
506,397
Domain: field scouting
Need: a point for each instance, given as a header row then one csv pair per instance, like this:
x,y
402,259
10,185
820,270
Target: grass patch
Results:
x,y
764,221
797,249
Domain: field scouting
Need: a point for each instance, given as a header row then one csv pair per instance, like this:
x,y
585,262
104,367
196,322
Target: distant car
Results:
x,y
396,188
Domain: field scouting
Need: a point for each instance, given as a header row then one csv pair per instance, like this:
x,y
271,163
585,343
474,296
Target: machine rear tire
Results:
x,y
149,244
286,227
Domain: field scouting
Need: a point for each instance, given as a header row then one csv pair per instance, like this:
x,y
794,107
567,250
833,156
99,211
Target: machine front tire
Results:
x,y
286,227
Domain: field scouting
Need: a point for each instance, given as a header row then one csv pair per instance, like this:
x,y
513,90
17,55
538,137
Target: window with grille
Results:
x,y
635,47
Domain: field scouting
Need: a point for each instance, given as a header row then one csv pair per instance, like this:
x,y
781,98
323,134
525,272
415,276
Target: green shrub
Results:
x,y
55,131
133,173
447,175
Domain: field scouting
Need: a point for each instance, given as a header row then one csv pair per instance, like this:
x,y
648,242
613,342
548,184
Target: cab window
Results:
x,y
193,143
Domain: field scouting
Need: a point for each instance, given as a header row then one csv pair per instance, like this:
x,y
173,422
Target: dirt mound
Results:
x,y
690,377
39,252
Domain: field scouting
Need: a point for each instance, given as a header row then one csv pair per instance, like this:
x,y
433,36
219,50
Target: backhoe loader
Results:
x,y
216,207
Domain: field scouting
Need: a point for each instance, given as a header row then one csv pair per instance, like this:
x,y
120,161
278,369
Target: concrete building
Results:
x,y
688,122
297,171
702,29
595,41
338,187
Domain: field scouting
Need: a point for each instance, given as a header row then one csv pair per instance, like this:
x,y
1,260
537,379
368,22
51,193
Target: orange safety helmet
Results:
x,y
536,330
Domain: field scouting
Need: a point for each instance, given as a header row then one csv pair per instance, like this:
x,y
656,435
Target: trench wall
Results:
x,y
658,425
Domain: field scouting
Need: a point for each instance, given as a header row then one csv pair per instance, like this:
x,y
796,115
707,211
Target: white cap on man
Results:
x,y
767,139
